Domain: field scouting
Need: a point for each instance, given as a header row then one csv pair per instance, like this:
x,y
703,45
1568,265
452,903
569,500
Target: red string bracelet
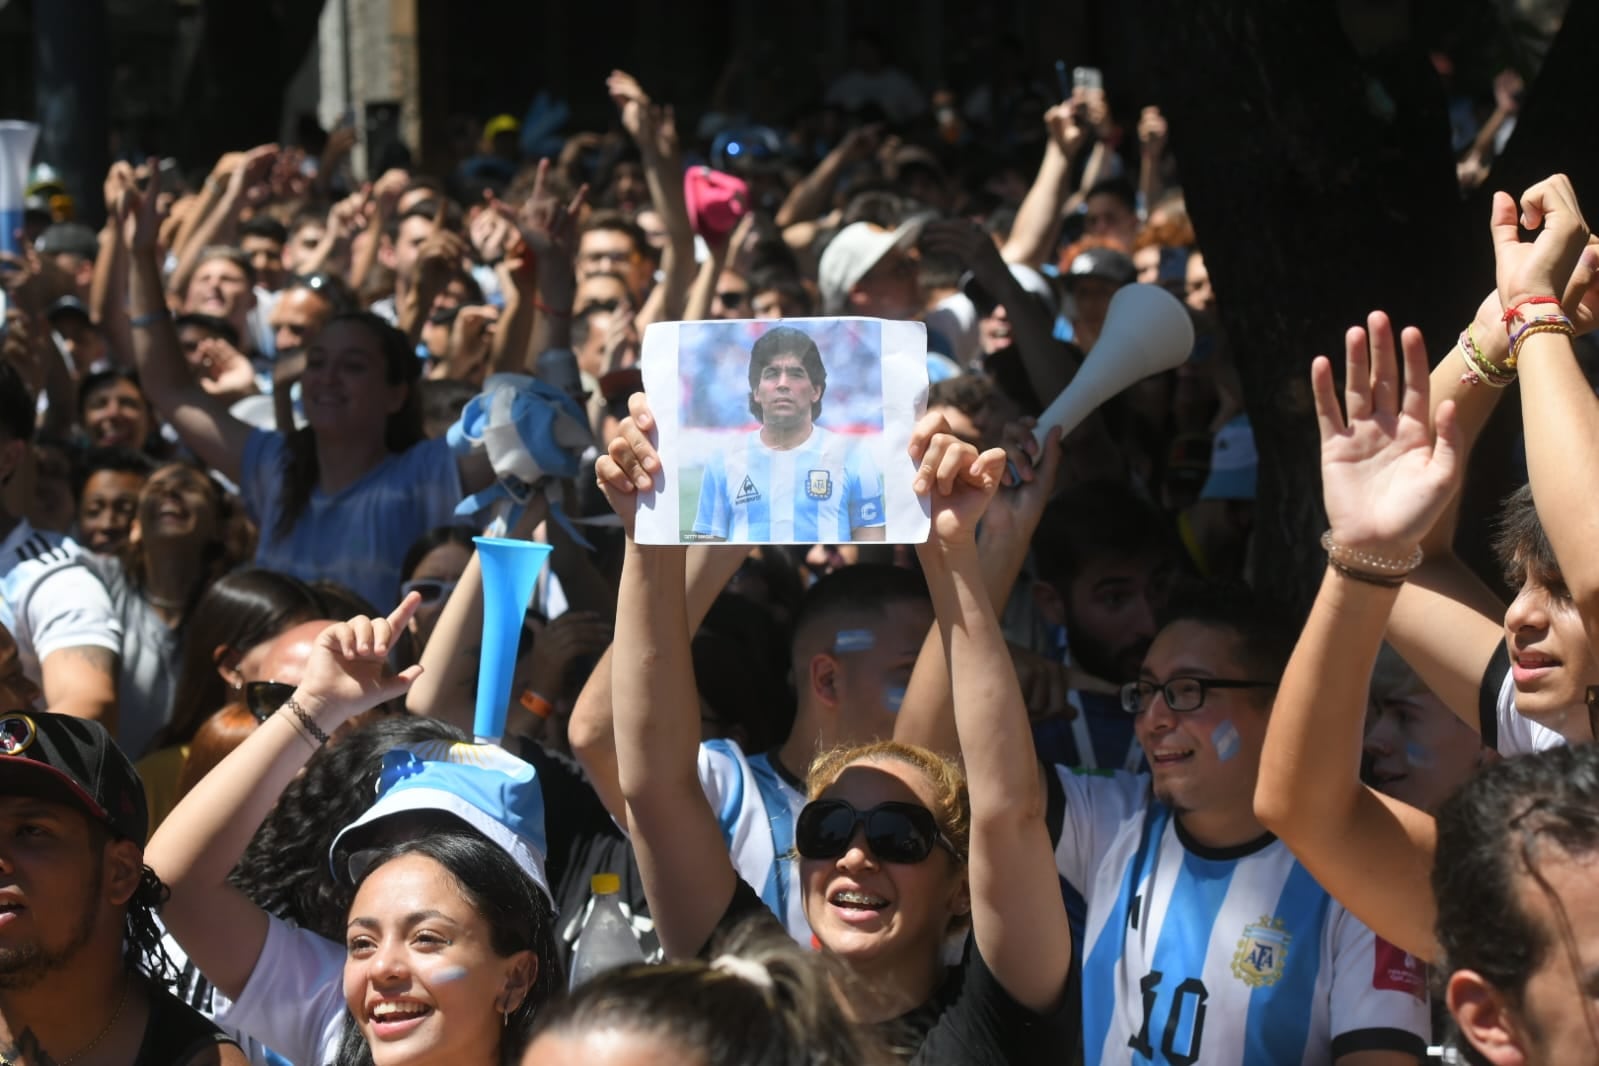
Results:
x,y
1515,311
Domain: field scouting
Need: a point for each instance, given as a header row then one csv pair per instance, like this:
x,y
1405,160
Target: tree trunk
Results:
x,y
1321,184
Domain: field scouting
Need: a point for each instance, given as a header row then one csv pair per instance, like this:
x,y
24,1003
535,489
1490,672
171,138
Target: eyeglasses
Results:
x,y
431,589
896,832
263,698
1182,694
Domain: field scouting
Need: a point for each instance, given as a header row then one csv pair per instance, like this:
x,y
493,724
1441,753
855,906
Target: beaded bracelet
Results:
x,y
1379,565
1479,368
1366,578
308,724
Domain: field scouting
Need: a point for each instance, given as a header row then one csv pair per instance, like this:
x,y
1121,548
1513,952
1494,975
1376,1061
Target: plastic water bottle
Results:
x,y
607,940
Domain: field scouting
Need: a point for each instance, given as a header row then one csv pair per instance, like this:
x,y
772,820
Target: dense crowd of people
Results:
x,y
1063,783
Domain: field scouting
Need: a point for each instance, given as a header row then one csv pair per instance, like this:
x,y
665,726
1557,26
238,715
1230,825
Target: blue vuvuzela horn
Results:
x,y
510,567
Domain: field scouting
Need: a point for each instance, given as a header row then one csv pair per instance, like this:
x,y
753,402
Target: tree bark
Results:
x,y
1315,158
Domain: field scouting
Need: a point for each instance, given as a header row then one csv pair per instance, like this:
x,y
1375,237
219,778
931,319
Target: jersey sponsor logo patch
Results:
x,y
1262,953
1397,970
747,492
818,484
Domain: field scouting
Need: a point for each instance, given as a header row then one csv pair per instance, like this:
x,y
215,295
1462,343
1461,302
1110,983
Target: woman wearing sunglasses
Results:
x,y
895,858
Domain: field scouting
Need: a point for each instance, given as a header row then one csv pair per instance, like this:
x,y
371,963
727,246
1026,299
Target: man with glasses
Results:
x,y
1206,941
610,244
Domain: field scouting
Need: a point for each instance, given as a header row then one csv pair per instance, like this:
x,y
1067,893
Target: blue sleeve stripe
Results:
x,y
1281,1035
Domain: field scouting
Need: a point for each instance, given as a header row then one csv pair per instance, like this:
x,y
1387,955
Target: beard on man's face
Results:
x,y
26,964
1116,665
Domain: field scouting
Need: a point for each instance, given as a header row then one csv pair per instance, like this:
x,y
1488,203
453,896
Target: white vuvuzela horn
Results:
x,y
1147,330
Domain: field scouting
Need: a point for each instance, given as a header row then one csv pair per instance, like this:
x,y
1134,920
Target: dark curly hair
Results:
x,y
518,912
285,868
786,340
1495,837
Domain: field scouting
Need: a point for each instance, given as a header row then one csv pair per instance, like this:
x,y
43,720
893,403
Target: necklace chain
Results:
x,y
91,1045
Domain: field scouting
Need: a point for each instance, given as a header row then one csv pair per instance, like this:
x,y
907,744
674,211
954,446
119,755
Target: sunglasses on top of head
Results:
x,y
895,832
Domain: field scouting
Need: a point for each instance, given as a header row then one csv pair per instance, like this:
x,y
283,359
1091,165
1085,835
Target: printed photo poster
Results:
x,y
785,431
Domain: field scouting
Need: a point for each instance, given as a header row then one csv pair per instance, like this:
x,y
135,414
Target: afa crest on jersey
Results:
x,y
818,484
1262,953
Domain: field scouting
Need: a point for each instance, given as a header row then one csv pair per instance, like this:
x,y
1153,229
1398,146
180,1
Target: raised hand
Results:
x,y
630,464
348,672
491,231
1152,132
1029,481
958,481
137,218
1386,477
1544,266
1068,133
549,226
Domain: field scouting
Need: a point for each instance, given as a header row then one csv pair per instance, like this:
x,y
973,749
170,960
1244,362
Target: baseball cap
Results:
x,y
1106,264
72,760
483,785
73,237
1232,463
852,253
66,307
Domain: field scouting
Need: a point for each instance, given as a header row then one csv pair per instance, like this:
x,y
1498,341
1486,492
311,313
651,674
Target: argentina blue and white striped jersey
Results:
x,y
756,803
1235,956
813,494
50,600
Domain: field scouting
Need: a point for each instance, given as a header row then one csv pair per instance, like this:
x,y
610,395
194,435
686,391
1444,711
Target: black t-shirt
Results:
x,y
174,1033
582,840
970,1021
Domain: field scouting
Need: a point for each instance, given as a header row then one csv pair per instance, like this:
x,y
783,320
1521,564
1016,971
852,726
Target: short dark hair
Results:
x,y
211,324
1264,631
101,378
265,226
786,283
786,340
865,588
1120,188
616,221
1520,543
1496,831
118,460
1097,520
969,394
17,405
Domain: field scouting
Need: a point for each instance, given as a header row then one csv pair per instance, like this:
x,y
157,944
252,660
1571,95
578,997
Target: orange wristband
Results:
x,y
536,704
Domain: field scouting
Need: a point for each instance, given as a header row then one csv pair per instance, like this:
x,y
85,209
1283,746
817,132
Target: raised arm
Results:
x,y
1446,623
810,195
927,716
220,224
202,420
591,730
201,840
1560,414
688,877
1033,233
654,129
1385,479
1018,916
550,227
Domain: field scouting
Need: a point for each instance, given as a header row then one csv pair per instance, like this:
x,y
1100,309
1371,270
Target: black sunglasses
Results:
x,y
731,299
896,832
263,698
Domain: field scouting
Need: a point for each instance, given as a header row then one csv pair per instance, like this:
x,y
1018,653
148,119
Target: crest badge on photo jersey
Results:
x,y
818,484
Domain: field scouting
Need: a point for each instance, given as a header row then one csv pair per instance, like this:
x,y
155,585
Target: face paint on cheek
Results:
x,y
1224,738
893,696
1417,756
448,974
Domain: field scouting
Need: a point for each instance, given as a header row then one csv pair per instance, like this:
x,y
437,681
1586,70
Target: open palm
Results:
x,y
1386,476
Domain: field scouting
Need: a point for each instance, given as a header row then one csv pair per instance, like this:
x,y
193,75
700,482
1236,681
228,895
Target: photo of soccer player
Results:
x,y
780,432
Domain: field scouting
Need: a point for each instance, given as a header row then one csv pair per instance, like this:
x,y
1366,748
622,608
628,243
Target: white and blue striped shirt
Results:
x,y
817,493
756,804
49,598
1226,957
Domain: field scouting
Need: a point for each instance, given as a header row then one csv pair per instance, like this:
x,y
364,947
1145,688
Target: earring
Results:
x,y
505,1019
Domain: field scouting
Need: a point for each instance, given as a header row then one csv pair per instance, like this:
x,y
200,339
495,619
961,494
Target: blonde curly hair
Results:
x,y
951,807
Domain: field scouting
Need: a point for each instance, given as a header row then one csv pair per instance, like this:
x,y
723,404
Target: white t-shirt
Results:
x,y
1503,728
50,600
294,1000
